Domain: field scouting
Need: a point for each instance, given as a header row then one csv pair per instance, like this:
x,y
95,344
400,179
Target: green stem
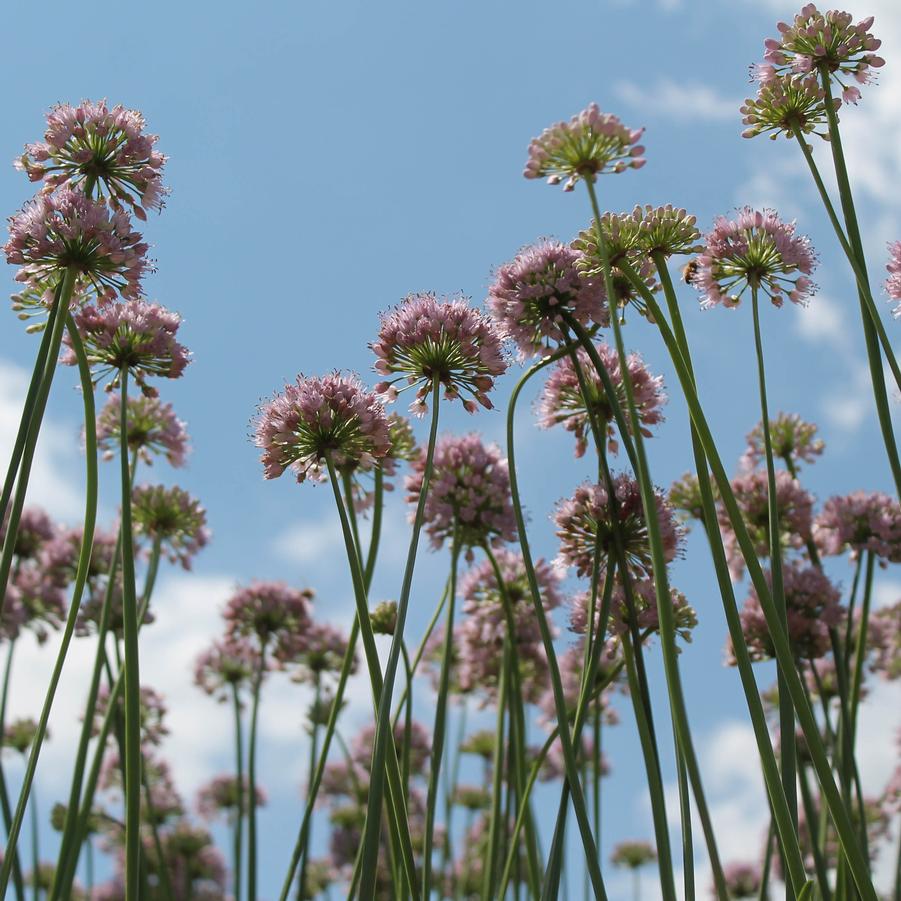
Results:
x,y
252,778
35,847
688,856
376,533
764,893
497,781
238,849
860,650
302,879
450,789
810,814
165,879
4,793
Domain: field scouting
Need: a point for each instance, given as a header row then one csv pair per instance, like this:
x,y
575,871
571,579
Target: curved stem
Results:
x,y
252,778
238,848
376,533
4,794
860,649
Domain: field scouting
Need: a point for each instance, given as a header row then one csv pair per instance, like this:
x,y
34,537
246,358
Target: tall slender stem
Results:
x,y
238,847
35,847
252,777
4,794
314,735
497,780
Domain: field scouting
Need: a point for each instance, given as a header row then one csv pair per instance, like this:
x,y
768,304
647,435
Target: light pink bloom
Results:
x,y
316,651
271,613
153,714
893,282
858,522
219,797
152,429
171,517
227,665
884,641
785,103
742,879
793,440
633,854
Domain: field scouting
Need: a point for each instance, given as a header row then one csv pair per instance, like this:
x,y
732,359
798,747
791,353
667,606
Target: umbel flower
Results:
x,y
758,249
793,440
425,339
633,854
67,230
742,879
310,654
893,282
99,150
685,498
592,143
826,42
152,429
784,104
858,522
531,293
135,335
587,517
220,796
562,402
226,666
271,613
320,417
469,491
153,715
171,517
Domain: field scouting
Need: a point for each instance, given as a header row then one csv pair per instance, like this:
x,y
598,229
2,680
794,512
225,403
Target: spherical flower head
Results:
x,y
742,879
755,248
39,599
90,614
813,606
592,143
152,430
786,104
588,517
226,666
479,589
171,517
67,230
858,522
153,715
135,335
469,491
418,745
794,441
320,417
312,653
685,498
531,293
36,529
827,43
427,339
20,733
795,510
384,618
666,230
221,796
562,402
272,613
884,641
893,282
633,854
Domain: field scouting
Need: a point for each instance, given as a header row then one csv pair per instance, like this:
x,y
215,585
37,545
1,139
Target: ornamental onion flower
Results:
x,y
562,402
580,519
153,715
757,249
742,879
152,429
685,498
667,230
794,441
320,417
531,293
469,492
893,282
786,103
220,797
592,143
426,339
633,854
313,652
823,42
55,232
271,613
171,517
99,150
226,667
858,522
135,335
884,641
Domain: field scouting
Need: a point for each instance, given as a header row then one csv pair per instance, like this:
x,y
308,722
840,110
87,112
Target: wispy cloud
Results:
x,y
687,101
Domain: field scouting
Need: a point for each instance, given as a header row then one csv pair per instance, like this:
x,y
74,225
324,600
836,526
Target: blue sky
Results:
x,y
325,160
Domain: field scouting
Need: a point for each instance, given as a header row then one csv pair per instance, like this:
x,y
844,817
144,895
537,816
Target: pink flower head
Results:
x,y
222,795
826,43
317,650
469,491
785,104
884,641
531,293
418,745
858,522
153,714
554,766
426,339
794,441
152,429
755,248
273,613
742,879
893,282
39,599
592,143
36,529
172,518
135,335
225,667
101,150
563,403
402,449
320,417
55,232
587,517
633,854
813,605
795,510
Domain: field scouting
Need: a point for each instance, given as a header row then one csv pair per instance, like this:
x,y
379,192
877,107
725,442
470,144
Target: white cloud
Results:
x,y
824,322
688,102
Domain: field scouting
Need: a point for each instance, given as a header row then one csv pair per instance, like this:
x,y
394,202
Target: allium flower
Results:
x,y
317,417
153,428
418,745
226,666
469,492
794,507
685,498
893,282
91,611
633,854
531,293
471,797
554,766
592,143
785,103
311,653
135,335
858,522
153,714
755,248
219,797
54,232
825,42
425,339
20,733
171,517
793,440
884,641
384,618
39,599
588,514
562,402
742,879
270,612
36,529
667,230
98,149
813,605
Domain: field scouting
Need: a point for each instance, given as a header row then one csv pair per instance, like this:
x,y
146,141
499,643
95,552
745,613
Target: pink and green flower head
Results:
x,y
153,715
893,282
135,335
171,517
313,653
36,529
785,104
685,498
67,230
794,442
743,879
633,854
226,667
884,641
271,613
316,418
562,401
223,795
426,340
20,733
152,430
823,43
531,293
101,151
469,492
755,249
592,143
858,522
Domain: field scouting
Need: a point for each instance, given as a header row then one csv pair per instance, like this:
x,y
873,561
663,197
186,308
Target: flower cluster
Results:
x,y
893,282
786,105
226,667
171,518
858,522
633,854
222,795
152,428
272,613
794,441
